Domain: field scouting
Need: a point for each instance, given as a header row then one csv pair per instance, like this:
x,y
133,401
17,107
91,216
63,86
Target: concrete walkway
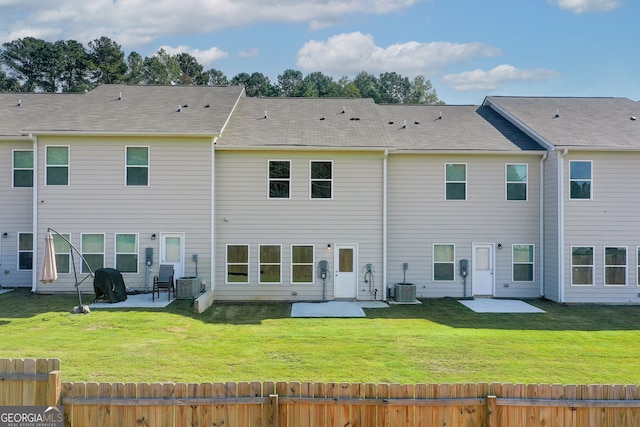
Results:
x,y
333,308
491,305
134,301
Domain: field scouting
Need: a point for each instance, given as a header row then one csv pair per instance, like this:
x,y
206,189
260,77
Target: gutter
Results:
x,y
561,225
34,227
384,224
213,214
541,224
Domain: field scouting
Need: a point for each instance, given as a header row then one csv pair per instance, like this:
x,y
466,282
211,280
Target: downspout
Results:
x,y
384,225
561,225
36,239
213,213
541,262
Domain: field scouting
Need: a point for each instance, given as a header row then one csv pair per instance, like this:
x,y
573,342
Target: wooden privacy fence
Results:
x,y
299,404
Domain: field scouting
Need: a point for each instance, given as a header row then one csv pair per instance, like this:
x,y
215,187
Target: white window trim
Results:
x,y
104,248
260,263
46,166
148,166
136,252
313,265
14,168
269,179
605,265
533,263
593,262
590,180
311,180
19,251
466,182
507,182
433,262
226,264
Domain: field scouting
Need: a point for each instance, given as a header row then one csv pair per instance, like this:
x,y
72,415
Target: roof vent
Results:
x,y
321,118
404,125
390,122
557,113
344,110
120,96
19,104
354,118
439,116
207,106
633,118
416,122
266,116
179,110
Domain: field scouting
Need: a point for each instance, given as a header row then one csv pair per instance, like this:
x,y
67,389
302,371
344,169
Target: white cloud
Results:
x,y
495,78
250,53
204,57
134,23
585,6
348,54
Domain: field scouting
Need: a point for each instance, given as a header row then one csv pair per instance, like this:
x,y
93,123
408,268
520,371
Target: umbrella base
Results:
x,y
82,309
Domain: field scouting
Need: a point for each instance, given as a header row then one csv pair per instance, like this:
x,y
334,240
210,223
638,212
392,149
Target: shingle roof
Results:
x,y
445,127
309,122
599,123
142,109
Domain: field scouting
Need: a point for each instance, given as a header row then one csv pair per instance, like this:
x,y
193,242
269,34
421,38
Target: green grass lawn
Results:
x,y
438,341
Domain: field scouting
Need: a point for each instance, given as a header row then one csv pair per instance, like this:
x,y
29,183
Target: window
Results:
x,y
93,251
455,181
25,251
615,266
127,253
582,265
279,179
443,262
302,264
137,166
321,180
57,164
22,168
238,264
523,263
270,259
63,256
517,182
580,179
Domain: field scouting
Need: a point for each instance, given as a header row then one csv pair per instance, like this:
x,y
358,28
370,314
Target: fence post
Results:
x,y
491,411
54,388
273,405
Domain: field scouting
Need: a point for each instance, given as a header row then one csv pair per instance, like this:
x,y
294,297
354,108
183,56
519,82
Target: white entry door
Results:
x,y
172,252
345,260
482,274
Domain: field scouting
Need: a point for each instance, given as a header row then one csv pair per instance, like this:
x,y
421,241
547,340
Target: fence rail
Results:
x,y
300,404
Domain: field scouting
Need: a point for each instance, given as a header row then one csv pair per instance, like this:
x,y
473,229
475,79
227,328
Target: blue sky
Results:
x,y
467,48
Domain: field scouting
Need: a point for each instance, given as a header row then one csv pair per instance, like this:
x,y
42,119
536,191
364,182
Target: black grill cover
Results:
x,y
109,285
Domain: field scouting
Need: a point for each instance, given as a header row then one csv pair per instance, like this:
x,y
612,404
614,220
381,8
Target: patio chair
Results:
x,y
163,281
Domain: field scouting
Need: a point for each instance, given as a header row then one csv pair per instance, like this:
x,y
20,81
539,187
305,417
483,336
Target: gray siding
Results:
x,y
419,216
551,227
16,213
178,199
610,219
244,215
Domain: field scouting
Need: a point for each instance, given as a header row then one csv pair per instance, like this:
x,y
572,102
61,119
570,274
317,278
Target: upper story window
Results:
x,y
127,253
455,181
57,164
92,251
137,166
580,179
517,181
279,179
237,263
22,168
25,251
321,180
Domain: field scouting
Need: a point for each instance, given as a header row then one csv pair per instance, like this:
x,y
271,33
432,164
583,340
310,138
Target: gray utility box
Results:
x,y
187,287
405,292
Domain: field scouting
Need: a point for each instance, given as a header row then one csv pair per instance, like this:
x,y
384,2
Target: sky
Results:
x,y
468,49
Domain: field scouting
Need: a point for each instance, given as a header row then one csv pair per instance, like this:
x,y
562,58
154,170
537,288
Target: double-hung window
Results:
x,y
443,262
270,263
92,251
580,179
523,263
582,265
238,264
127,253
321,180
615,266
137,169
516,181
279,179
63,254
22,168
455,181
57,165
302,263
25,251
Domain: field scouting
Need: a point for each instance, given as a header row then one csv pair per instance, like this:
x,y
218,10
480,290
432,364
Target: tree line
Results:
x,y
34,65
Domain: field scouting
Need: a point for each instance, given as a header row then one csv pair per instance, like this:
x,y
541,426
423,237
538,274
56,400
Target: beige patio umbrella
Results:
x,y
49,271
